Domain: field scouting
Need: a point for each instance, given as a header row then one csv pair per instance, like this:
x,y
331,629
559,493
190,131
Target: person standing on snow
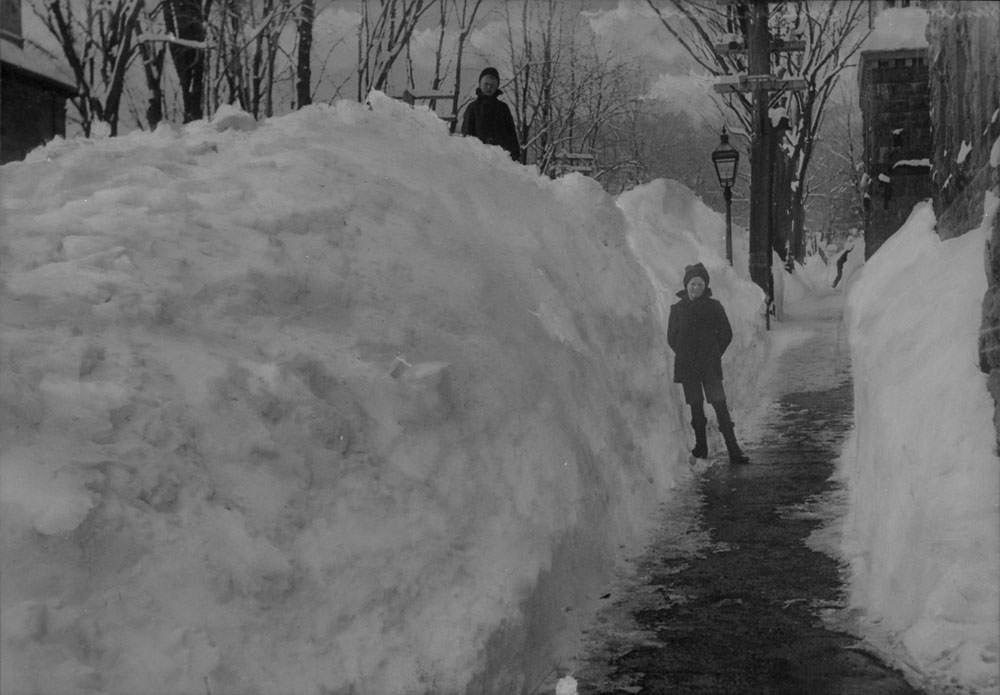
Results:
x,y
848,246
698,332
489,119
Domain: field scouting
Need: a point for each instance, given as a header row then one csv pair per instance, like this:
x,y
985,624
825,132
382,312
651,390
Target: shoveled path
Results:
x,y
739,611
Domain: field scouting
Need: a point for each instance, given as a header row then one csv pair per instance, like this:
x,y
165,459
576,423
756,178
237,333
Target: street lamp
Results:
x,y
726,160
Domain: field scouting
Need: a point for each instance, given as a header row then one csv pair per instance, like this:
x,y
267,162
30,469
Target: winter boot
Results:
x,y
699,422
727,428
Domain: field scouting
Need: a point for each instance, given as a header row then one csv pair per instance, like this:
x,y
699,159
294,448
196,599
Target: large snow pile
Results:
x,y
923,531
327,403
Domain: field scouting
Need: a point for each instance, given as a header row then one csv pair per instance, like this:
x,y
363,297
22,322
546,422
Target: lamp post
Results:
x,y
726,160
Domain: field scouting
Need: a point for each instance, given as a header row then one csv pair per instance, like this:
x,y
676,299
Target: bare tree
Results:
x,y
534,40
185,21
838,186
568,95
465,12
97,39
304,31
439,50
246,46
385,31
466,21
652,141
833,35
153,59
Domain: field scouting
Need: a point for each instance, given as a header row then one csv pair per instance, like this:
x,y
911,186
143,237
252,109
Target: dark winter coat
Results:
x,y
698,332
489,119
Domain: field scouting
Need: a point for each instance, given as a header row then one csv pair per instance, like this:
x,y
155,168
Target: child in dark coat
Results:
x,y
489,119
698,332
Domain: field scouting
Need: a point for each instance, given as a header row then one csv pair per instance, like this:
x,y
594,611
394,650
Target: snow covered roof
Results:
x,y
898,29
36,63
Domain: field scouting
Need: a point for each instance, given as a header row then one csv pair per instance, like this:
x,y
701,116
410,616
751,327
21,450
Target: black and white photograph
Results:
x,y
499,347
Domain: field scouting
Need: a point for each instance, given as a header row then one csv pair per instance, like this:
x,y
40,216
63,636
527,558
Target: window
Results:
x,y
10,21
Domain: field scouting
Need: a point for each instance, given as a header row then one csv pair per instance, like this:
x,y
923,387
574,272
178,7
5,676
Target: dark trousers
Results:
x,y
700,423
706,389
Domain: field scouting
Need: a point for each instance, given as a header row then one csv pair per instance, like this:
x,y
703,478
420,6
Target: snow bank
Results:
x,y
923,531
814,278
328,403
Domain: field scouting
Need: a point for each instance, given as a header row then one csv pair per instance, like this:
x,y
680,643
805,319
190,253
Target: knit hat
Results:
x,y
693,271
489,71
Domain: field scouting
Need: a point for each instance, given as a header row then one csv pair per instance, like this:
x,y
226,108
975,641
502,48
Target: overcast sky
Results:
x,y
628,28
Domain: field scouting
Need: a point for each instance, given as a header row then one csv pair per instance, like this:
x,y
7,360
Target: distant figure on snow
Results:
x,y
489,119
698,332
843,259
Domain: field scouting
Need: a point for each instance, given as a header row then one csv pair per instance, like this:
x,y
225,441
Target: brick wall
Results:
x,y
964,58
897,137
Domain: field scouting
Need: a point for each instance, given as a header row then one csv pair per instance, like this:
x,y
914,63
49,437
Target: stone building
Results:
x,y
930,101
964,72
33,90
894,95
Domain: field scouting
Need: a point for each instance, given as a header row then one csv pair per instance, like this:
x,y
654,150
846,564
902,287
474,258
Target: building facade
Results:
x,y
931,116
965,114
33,91
894,93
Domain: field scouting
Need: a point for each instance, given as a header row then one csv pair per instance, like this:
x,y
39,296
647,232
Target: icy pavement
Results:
x,y
745,603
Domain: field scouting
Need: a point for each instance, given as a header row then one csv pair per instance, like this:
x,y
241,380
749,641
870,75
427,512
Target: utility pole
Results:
x,y
758,43
760,82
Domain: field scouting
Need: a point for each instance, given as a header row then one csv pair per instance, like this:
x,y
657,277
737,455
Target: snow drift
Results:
x,y
923,530
327,403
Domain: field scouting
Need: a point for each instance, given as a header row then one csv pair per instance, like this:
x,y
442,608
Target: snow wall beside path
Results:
x,y
923,531
328,403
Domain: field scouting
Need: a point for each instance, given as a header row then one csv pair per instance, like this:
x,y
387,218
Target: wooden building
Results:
x,y
33,90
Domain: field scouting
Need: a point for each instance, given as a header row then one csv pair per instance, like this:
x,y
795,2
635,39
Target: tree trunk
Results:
x,y
467,19
117,85
303,67
442,26
185,19
458,83
152,63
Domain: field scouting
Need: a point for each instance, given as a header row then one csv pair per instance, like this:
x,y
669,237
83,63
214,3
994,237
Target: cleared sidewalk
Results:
x,y
741,609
